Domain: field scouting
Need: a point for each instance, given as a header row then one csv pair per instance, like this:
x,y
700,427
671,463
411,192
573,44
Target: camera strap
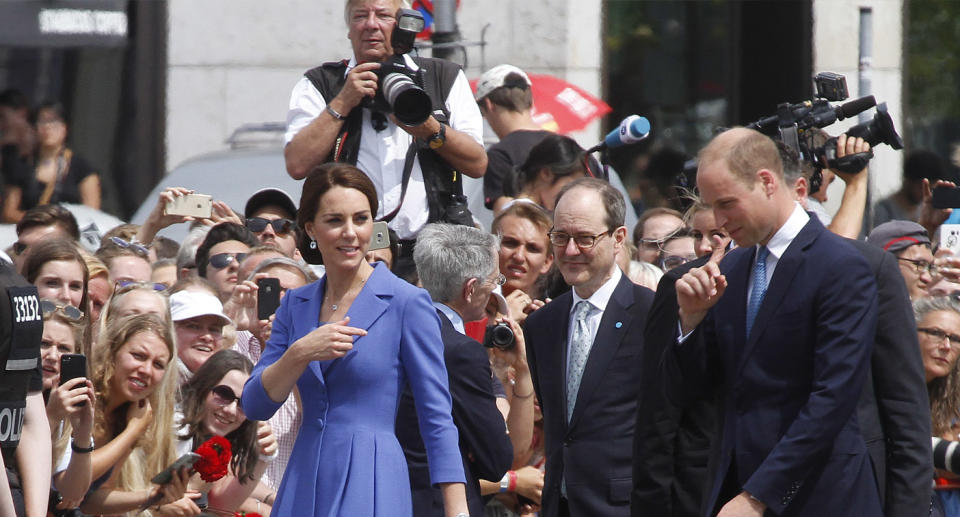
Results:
x,y
405,179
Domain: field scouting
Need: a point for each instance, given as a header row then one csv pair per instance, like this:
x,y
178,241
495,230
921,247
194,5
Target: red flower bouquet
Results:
x,y
214,459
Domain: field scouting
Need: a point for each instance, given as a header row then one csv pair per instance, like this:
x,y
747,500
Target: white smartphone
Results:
x,y
950,238
381,236
194,205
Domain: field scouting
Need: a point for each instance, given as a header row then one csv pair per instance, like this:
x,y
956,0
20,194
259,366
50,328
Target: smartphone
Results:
x,y
194,205
946,197
268,297
73,366
381,236
950,238
166,475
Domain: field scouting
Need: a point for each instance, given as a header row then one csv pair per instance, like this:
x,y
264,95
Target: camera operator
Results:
x,y
458,267
330,120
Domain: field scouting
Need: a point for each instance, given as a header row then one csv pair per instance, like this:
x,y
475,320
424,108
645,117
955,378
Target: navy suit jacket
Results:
x,y
593,451
789,433
484,443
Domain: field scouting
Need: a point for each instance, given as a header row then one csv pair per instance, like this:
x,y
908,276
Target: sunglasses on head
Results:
x,y
224,396
259,224
133,284
71,312
222,260
132,246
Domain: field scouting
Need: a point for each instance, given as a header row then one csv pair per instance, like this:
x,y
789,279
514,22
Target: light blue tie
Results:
x,y
759,286
580,345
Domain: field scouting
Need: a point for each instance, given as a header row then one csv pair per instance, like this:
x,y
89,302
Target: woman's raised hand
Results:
x,y
330,341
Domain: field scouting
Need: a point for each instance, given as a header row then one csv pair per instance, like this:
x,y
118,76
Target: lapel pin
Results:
x,y
619,324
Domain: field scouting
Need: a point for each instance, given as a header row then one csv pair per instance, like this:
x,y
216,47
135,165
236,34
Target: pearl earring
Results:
x,y
313,244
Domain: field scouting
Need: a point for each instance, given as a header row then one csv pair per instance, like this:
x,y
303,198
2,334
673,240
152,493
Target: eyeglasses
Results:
x,y
669,262
584,242
500,280
132,284
132,246
222,260
224,396
69,311
259,224
922,265
940,335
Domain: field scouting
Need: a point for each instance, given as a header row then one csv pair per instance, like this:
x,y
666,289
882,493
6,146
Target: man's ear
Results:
x,y
466,294
619,236
767,181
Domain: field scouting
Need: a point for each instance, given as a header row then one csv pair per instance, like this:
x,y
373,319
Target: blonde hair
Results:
x,y
156,448
61,436
110,309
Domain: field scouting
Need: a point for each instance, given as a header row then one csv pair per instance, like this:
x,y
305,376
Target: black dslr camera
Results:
x,y
400,88
499,336
797,125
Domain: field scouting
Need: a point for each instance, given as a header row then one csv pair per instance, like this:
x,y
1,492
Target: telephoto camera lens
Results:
x,y
499,336
409,102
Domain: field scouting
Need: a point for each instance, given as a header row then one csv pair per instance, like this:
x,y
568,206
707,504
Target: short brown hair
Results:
x,y
648,214
613,204
50,215
320,180
744,151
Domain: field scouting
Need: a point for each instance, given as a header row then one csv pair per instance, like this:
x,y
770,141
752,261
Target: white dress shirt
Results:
x,y
382,154
451,315
780,241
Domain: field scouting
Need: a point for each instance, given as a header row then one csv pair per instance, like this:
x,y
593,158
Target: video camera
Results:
x,y
400,87
798,124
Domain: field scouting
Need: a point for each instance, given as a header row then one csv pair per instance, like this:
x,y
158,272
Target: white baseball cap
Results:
x,y
497,77
190,304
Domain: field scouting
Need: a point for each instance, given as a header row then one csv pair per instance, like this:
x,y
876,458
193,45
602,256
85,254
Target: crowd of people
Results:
x,y
752,355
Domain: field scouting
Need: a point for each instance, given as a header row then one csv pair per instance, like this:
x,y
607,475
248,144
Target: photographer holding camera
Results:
x,y
370,112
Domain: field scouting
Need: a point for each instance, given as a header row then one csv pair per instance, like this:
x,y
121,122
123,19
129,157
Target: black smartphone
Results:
x,y
72,366
268,297
166,476
946,197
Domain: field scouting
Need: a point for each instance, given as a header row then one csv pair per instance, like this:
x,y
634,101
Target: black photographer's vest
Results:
x,y
442,182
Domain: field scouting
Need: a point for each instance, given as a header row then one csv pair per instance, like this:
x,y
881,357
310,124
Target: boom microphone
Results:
x,y
631,130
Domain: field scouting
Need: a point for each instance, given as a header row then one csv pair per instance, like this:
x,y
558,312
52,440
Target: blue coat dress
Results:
x,y
346,460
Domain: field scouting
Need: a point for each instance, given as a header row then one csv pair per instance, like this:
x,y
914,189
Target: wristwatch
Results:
x,y
439,138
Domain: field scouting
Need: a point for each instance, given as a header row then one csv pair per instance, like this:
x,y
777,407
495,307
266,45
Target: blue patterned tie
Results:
x,y
580,345
759,286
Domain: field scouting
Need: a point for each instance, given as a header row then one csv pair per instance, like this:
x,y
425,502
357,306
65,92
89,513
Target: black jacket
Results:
x,y
484,443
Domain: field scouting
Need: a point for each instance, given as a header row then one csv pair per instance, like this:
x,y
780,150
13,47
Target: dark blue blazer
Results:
x,y
593,451
484,443
789,431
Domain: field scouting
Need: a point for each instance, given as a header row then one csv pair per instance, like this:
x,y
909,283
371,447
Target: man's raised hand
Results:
x,y
700,288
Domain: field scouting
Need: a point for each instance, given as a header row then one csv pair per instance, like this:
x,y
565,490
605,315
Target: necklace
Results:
x,y
335,306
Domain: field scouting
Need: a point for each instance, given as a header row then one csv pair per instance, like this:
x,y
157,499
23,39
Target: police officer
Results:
x,y
24,432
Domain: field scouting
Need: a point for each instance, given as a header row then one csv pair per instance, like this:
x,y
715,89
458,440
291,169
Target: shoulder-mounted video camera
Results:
x,y
797,125
400,88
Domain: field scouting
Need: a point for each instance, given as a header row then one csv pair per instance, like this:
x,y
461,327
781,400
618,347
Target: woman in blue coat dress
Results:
x,y
350,342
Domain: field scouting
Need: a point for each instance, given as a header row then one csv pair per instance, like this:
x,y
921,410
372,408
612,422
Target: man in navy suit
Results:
x,y
583,349
458,267
784,326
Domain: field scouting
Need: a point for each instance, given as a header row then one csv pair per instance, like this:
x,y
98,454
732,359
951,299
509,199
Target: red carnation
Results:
x,y
214,459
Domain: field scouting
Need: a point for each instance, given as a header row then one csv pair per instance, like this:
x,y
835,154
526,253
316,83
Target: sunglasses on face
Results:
x,y
71,312
222,260
259,224
224,396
